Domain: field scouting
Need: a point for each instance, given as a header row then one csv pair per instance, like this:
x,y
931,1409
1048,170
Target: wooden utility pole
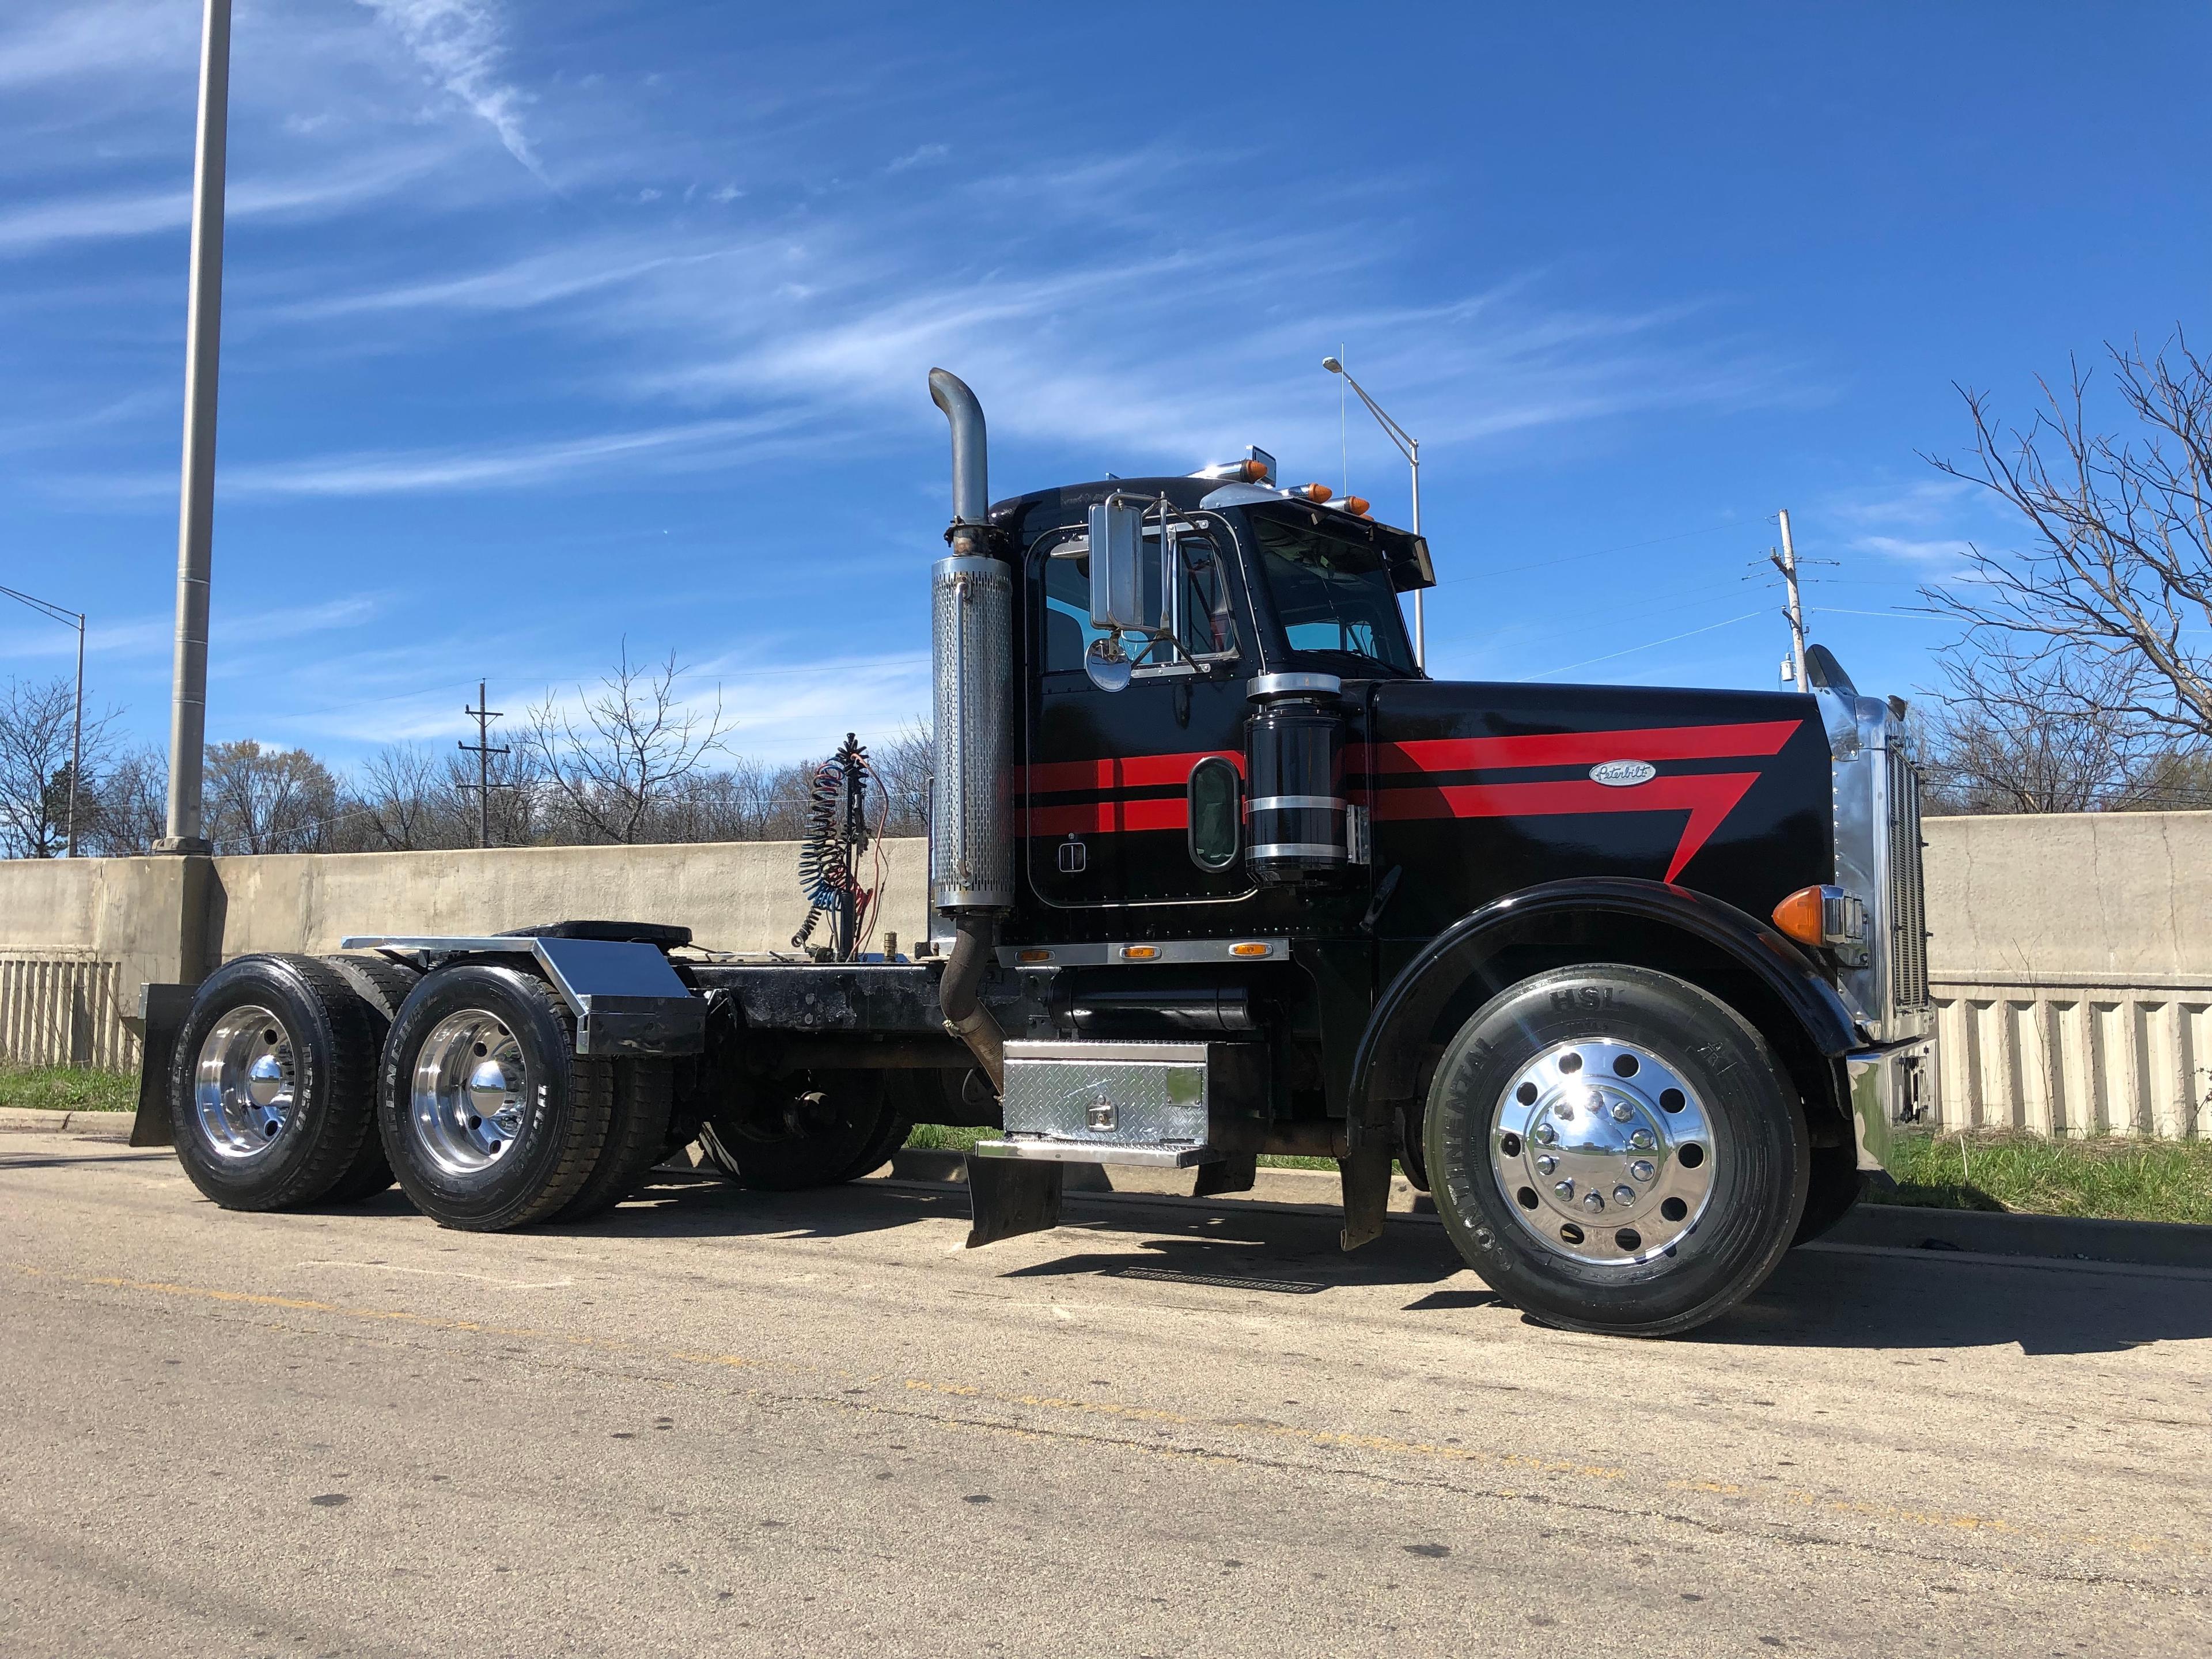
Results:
x,y
484,750
1786,562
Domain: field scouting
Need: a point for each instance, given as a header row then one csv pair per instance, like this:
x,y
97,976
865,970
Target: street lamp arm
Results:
x,y
43,607
1396,433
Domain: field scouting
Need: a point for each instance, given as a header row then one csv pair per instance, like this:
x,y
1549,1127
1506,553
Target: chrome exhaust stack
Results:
x,y
971,860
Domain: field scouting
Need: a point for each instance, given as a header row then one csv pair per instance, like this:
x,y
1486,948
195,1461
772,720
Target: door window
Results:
x,y
1216,813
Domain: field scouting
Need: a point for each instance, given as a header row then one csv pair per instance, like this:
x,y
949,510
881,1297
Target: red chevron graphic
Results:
x,y
1707,797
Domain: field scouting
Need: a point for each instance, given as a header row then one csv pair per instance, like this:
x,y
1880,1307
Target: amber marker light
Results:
x,y
1252,471
1822,915
1314,492
1028,957
1140,952
1356,504
1249,950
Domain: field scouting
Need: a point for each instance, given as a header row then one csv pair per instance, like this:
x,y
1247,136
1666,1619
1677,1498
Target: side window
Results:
x,y
1206,623
1067,629
1216,813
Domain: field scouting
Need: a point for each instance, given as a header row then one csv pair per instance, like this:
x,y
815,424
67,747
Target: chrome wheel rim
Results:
x,y
245,1084
469,1092
1604,1152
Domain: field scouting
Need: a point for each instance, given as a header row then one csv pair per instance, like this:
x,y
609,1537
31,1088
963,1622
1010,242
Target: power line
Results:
x,y
1648,645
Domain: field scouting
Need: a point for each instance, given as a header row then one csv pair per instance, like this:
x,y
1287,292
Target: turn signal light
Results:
x,y
1314,492
1822,915
1140,952
1356,504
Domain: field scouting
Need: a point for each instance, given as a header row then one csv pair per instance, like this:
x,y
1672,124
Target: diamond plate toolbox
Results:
x,y
1146,1094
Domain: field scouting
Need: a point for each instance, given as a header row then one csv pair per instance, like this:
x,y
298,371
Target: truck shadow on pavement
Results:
x,y
1845,1299
1820,1297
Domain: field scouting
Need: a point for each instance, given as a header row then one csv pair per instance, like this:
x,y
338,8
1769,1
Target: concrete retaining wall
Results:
x,y
2071,961
2070,955
78,937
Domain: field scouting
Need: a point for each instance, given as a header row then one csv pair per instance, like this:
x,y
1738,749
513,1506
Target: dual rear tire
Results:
x,y
300,1081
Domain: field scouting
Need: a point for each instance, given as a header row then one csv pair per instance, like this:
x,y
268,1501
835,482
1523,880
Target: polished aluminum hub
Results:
x,y
468,1093
1604,1152
243,1084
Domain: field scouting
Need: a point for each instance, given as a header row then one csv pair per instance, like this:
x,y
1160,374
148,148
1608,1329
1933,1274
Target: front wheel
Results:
x,y
1616,1150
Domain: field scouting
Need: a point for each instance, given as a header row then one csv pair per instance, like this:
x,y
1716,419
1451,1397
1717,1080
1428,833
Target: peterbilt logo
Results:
x,y
1623,774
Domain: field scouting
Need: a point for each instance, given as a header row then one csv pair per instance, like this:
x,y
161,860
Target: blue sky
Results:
x,y
554,326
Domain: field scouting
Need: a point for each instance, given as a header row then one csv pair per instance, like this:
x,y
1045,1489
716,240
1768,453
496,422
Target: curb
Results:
x,y
2068,1238
1886,1227
87,1126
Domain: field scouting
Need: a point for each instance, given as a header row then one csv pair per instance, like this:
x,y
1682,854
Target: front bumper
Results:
x,y
1888,1086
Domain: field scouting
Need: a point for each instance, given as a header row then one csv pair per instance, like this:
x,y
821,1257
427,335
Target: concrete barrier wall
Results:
x,y
2070,955
78,937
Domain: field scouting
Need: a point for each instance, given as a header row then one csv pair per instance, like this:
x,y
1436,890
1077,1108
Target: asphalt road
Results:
x,y
720,1423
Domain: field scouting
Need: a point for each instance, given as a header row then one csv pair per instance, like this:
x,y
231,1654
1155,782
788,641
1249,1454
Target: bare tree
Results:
x,y
903,766
269,800
2044,731
637,743
133,805
37,718
407,803
2114,591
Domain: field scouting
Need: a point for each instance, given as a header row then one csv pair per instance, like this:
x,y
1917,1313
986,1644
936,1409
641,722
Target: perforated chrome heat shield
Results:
x,y
971,855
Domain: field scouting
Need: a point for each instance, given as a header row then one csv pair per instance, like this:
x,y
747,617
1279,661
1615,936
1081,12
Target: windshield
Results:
x,y
1332,594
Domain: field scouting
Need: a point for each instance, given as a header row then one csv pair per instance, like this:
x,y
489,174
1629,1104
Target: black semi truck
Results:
x,y
1634,982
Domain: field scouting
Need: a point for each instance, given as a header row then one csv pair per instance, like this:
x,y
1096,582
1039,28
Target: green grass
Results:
x,y
2112,1178
65,1089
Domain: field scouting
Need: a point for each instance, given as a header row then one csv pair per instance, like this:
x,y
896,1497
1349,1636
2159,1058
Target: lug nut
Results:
x,y
1641,1169
1622,1111
1642,1141
1565,1110
1593,1203
1623,1195
1546,1163
1544,1134
1564,1188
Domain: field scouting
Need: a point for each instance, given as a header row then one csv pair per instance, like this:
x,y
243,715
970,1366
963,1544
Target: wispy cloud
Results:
x,y
461,46
47,43
391,472
42,225
922,156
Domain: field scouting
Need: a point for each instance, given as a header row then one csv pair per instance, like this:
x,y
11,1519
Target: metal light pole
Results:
x,y
67,619
1410,448
196,510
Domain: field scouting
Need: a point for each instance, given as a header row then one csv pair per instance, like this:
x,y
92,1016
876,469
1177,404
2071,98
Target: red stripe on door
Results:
x,y
1111,818
1708,796
1128,772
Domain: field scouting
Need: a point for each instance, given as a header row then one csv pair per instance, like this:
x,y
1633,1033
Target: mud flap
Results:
x,y
1012,1196
1366,1174
161,1011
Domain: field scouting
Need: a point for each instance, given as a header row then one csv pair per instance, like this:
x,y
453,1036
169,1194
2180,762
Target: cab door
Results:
x,y
1107,788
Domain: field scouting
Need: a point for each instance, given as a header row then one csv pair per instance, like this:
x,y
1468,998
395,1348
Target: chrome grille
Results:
x,y
1907,896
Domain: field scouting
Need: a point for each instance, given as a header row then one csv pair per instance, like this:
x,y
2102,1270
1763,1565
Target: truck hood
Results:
x,y
1479,790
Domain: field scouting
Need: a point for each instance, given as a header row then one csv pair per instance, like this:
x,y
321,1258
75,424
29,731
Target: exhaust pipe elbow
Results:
x,y
971,489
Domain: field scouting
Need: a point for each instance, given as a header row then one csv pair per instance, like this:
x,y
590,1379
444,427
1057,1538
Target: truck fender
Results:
x,y
1386,1068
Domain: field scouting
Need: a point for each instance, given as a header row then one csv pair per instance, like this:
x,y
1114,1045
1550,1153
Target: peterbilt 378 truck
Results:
x,y
1634,982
